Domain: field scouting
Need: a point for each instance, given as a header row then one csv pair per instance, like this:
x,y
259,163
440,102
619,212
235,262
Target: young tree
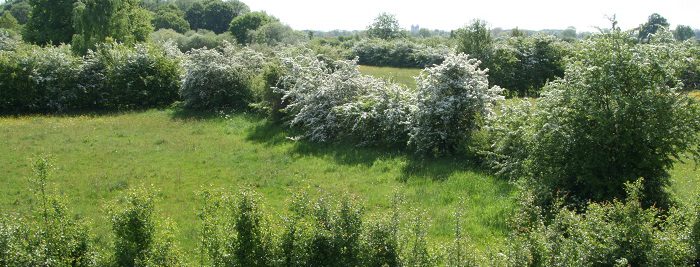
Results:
x,y
475,40
51,22
385,26
99,21
652,25
7,21
683,33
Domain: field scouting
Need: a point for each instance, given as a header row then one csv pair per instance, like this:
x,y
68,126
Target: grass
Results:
x,y
402,76
695,94
99,157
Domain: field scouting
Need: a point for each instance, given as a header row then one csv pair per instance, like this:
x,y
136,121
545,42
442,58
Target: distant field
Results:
x,y
98,157
695,94
399,75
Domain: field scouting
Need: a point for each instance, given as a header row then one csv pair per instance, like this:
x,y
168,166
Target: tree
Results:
x,y
51,22
170,17
214,15
20,9
242,25
195,16
385,26
475,40
7,21
569,34
652,25
218,16
98,21
683,33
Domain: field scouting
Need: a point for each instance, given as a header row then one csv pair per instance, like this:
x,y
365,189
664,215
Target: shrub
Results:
x,y
142,77
615,117
607,234
38,79
452,97
381,115
314,88
50,236
398,53
192,39
235,231
140,239
220,80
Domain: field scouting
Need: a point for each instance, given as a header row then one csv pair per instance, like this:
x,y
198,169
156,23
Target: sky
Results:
x,y
452,14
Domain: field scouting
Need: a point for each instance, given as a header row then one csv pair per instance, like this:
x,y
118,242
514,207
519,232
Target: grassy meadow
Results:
x,y
403,76
98,157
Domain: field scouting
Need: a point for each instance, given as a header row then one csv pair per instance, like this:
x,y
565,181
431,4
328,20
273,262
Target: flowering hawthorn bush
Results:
x,y
219,79
452,97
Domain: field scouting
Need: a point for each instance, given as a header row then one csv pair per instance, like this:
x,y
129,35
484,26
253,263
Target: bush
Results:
x,y
452,98
401,53
607,234
217,80
38,79
192,39
235,231
626,122
616,116
140,239
381,115
50,236
142,77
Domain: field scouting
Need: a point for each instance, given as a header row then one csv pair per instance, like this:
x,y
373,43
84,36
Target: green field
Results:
x,y
398,75
98,157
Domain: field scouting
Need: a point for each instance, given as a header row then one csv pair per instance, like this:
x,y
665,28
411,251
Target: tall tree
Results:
x,y
652,25
683,32
98,21
50,22
195,16
214,15
170,17
385,26
475,40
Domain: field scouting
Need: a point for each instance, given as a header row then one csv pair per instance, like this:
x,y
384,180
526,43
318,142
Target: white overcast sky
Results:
x,y
448,15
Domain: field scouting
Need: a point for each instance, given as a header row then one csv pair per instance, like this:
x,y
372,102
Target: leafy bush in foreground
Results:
x,y
616,116
50,236
452,97
606,234
140,239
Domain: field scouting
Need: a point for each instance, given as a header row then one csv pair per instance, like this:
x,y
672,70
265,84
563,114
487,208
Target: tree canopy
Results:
x,y
50,22
385,26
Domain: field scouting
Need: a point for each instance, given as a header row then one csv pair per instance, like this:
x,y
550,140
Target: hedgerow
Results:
x,y
53,80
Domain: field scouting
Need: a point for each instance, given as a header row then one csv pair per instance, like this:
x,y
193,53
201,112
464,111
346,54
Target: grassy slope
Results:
x,y
97,157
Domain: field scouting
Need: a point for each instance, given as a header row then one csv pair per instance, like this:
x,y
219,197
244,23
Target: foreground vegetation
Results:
x,y
592,172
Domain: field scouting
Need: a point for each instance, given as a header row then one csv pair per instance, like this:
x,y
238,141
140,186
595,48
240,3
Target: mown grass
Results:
x,y
404,76
98,157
